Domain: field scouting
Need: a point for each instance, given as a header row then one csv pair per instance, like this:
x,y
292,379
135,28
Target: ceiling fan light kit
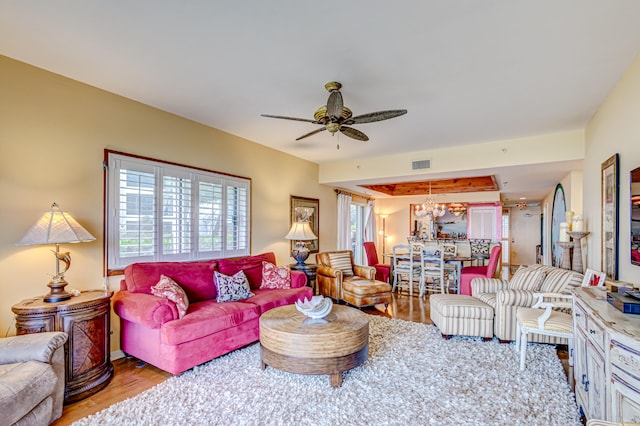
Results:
x,y
335,117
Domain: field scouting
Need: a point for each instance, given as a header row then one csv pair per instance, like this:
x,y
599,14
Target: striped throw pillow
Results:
x,y
527,279
557,281
341,261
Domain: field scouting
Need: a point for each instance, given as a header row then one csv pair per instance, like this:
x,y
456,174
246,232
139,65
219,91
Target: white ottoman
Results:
x,y
458,314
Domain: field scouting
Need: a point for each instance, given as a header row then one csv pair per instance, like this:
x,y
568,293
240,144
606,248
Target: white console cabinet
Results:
x,y
606,358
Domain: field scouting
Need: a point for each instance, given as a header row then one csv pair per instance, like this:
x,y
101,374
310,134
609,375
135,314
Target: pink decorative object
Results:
x,y
169,289
275,277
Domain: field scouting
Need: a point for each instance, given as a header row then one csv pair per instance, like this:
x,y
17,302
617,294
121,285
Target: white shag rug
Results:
x,y
412,377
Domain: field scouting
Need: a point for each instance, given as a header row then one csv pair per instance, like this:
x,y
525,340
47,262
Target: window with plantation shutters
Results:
x,y
165,212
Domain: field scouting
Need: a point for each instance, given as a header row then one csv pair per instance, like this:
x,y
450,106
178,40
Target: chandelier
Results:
x,y
521,205
457,209
430,207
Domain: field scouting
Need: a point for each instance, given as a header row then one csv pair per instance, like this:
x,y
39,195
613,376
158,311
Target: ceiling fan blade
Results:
x,y
354,134
289,118
335,104
312,133
376,116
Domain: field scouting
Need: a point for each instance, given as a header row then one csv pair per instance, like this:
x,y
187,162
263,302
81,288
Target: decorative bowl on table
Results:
x,y
316,307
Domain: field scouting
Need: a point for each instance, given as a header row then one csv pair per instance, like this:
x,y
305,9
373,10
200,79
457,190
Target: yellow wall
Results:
x,y
53,132
615,128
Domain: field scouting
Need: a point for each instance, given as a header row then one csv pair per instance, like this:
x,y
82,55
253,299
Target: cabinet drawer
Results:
x,y
580,317
627,360
596,333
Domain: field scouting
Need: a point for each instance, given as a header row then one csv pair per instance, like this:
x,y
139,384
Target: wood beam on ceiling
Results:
x,y
441,186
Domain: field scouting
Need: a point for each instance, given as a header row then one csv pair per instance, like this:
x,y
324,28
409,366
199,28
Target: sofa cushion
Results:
x,y
195,278
251,265
269,299
231,289
275,277
169,289
527,279
24,386
341,261
206,318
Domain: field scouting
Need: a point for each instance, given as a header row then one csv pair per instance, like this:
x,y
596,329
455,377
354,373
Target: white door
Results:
x,y
525,235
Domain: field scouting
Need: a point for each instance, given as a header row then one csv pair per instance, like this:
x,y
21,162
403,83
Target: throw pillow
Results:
x,y
169,289
232,289
558,281
275,277
527,279
341,261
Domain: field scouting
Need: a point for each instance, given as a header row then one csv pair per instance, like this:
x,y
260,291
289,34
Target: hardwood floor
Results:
x,y
132,377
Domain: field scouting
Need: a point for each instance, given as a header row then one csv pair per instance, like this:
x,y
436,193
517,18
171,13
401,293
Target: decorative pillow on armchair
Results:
x,y
169,289
275,277
527,279
232,289
342,261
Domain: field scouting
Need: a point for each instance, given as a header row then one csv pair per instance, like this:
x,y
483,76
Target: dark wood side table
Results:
x,y
309,270
86,319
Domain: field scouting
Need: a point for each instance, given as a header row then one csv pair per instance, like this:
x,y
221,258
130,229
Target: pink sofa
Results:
x,y
151,330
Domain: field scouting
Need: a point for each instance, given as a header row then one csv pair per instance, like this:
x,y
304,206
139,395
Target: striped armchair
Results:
x,y
506,296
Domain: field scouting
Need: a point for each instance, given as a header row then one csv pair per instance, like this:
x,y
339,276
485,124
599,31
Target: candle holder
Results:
x,y
566,260
577,236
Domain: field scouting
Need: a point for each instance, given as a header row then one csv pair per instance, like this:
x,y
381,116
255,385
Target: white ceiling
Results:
x,y
467,71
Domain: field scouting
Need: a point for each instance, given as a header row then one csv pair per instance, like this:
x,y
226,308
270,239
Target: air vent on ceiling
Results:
x,y
421,164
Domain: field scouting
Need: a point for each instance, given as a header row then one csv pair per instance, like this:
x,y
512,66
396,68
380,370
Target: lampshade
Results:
x,y
55,227
301,231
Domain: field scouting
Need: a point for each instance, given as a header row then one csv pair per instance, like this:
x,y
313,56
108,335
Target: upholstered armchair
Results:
x,y
32,378
383,270
506,296
339,278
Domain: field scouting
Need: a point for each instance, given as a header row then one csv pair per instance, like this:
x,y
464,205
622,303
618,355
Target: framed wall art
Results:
x,y
314,218
610,199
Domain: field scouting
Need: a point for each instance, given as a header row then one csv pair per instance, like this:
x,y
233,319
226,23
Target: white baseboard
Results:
x,y
117,355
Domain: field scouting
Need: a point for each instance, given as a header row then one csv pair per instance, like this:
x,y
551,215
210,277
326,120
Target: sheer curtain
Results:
x,y
344,222
370,223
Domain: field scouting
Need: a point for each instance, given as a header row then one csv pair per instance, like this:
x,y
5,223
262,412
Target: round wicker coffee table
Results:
x,y
292,342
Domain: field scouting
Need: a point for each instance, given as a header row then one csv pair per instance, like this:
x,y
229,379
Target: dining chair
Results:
x,y
468,273
450,250
432,271
383,270
407,267
542,319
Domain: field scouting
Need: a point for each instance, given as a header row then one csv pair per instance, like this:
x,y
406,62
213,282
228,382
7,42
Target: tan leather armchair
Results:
x,y
359,289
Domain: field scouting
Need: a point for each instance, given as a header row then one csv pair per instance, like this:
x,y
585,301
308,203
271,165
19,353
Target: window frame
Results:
x,y
240,233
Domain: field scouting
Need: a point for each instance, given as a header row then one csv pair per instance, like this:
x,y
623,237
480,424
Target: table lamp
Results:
x,y
57,227
300,232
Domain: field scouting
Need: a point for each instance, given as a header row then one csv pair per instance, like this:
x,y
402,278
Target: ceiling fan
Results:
x,y
336,117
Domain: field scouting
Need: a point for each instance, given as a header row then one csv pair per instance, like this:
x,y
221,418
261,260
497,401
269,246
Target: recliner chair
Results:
x,y
32,378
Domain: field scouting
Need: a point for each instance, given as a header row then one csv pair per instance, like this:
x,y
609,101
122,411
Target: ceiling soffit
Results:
x,y
442,186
